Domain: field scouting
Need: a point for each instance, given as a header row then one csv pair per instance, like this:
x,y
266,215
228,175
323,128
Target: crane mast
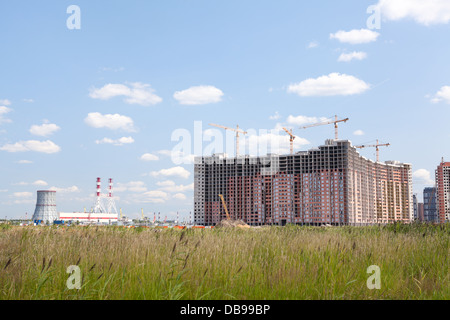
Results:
x,y
291,139
377,145
237,130
335,122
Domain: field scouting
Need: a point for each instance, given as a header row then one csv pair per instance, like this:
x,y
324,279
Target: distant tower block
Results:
x,y
45,206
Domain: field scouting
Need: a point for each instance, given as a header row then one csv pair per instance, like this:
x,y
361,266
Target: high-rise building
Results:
x,y
443,191
332,184
420,211
429,205
415,208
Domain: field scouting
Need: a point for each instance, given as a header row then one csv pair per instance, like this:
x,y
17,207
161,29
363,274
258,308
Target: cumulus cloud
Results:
x,y
23,194
5,102
358,133
155,196
4,110
149,157
44,130
24,161
132,186
330,85
66,190
313,44
117,142
35,183
355,36
136,93
426,12
172,172
423,176
271,141
178,157
32,145
355,55
199,95
303,120
110,121
172,187
442,95
276,116
179,196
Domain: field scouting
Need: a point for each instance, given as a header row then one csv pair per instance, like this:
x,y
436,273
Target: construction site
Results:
x,y
328,185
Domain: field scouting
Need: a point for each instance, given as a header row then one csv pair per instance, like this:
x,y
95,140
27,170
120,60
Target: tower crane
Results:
x,y
336,121
377,145
237,130
291,139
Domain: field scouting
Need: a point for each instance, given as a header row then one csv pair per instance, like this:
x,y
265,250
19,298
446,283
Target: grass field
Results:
x,y
262,263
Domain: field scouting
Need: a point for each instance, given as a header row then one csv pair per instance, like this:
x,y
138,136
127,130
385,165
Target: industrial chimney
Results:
x,y
45,206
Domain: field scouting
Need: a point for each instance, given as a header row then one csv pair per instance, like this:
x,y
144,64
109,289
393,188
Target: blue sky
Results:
x,y
105,99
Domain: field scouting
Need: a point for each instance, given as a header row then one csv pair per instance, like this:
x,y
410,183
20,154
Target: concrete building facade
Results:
x,y
443,191
331,184
430,211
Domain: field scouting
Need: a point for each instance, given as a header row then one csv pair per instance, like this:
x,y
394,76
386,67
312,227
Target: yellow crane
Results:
x,y
291,139
336,121
237,130
224,206
377,145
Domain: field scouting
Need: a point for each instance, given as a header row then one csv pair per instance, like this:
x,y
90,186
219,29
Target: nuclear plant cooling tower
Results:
x,y
45,206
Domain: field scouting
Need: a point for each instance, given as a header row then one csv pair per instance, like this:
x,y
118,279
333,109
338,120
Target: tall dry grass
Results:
x,y
262,263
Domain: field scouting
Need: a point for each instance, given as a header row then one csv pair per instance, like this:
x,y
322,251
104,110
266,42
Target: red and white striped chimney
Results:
x,y
110,187
98,187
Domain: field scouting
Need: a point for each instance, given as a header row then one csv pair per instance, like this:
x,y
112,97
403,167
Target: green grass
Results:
x,y
262,263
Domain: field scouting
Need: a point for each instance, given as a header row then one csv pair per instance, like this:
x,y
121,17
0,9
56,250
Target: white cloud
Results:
x,y
4,110
199,95
28,100
132,186
272,141
136,93
423,176
117,142
40,183
358,133
313,44
110,121
36,183
24,161
302,120
23,194
32,145
5,102
355,55
442,95
426,12
330,85
44,130
178,157
172,187
276,116
355,36
66,190
155,196
179,196
172,172
149,157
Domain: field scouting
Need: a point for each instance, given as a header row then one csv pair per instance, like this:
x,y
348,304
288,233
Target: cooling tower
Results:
x,y
45,206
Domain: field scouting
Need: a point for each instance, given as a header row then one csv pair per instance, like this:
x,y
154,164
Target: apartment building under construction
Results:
x,y
332,184
443,191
